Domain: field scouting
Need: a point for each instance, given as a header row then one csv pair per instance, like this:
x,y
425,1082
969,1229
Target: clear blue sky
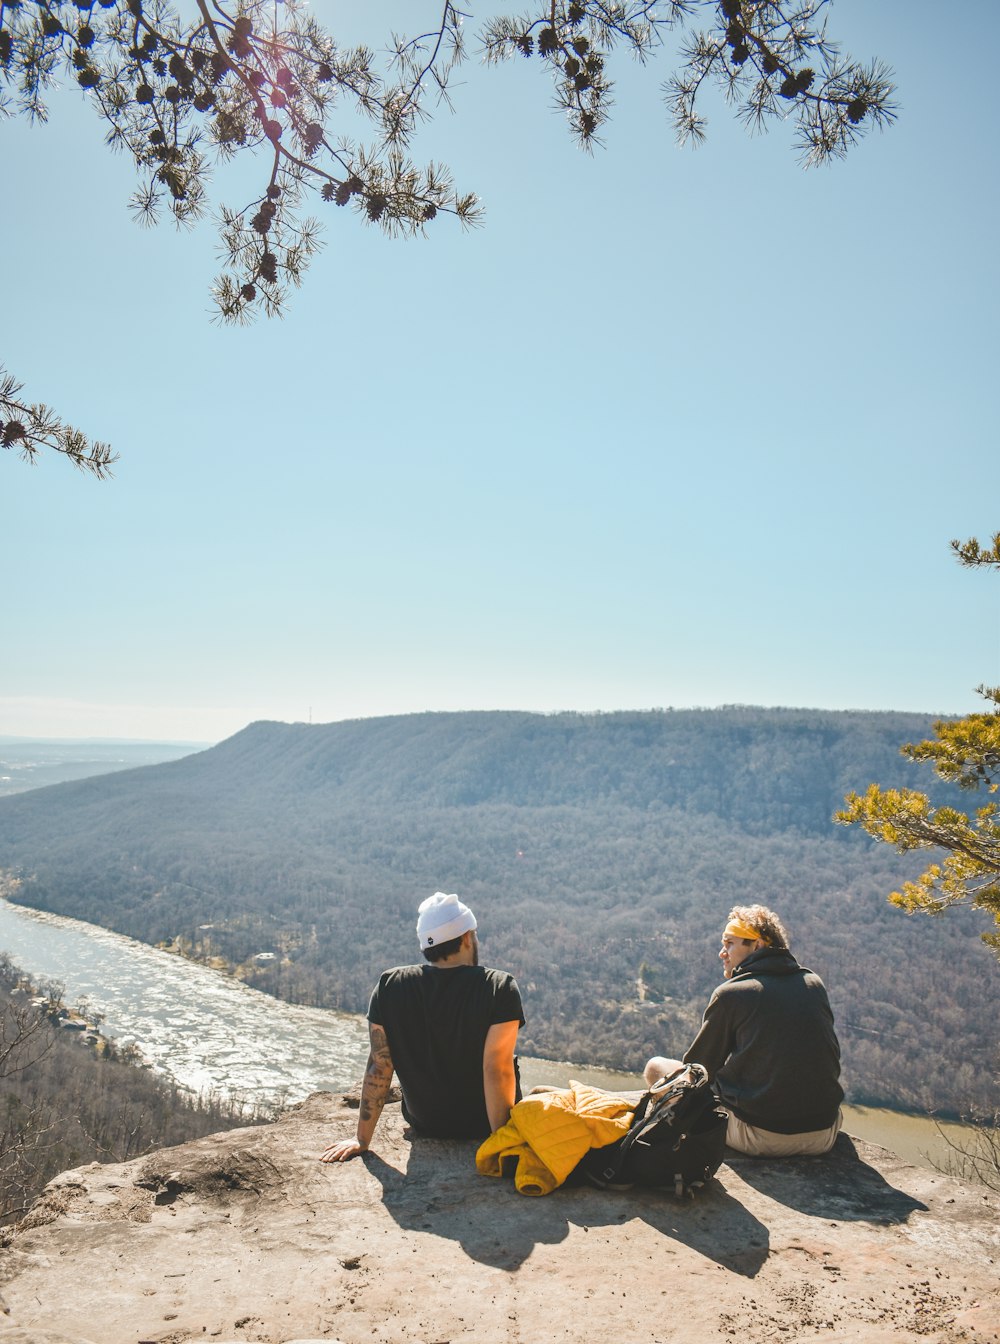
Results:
x,y
674,428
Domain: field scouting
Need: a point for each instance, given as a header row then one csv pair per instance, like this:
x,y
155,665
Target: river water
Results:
x,y
211,1033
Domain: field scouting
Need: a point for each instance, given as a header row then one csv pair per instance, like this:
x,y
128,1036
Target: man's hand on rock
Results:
x,y
342,1151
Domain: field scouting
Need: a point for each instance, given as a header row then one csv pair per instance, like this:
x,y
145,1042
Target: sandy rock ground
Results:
x,y
246,1236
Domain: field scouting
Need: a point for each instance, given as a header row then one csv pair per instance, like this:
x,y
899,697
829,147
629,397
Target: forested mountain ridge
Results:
x,y
601,853
763,769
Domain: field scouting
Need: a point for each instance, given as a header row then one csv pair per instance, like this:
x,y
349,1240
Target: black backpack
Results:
x,y
676,1139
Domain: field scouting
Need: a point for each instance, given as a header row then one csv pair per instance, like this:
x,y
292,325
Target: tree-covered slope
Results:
x,y
601,853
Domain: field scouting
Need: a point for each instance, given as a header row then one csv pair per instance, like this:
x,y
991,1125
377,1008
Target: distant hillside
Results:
x,y
34,763
601,853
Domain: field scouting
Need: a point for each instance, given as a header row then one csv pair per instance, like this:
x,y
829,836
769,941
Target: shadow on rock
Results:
x,y
436,1193
439,1192
841,1186
714,1223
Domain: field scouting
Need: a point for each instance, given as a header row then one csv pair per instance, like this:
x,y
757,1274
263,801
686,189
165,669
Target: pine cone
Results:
x,y
548,42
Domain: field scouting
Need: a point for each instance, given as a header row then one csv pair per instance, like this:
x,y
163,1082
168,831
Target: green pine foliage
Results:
x,y
964,752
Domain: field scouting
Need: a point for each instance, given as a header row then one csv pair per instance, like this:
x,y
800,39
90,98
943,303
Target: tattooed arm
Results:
x,y
374,1090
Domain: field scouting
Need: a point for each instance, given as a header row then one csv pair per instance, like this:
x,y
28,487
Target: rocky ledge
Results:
x,y
246,1236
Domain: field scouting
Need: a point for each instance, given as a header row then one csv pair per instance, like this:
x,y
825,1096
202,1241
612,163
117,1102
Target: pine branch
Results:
x,y
30,428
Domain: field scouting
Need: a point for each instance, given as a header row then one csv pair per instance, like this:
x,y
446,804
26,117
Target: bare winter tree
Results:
x,y
25,1039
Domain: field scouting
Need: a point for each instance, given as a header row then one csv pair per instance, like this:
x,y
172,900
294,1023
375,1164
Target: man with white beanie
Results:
x,y
448,1029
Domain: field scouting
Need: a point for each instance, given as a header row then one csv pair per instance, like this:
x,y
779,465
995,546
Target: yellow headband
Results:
x,y
744,931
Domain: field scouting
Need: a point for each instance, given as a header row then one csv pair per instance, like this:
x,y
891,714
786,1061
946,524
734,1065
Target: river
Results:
x,y
211,1033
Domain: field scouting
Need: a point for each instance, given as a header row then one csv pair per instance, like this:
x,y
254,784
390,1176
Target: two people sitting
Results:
x,y
448,1029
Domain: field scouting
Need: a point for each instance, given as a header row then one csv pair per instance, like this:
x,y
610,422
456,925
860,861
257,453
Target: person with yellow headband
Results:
x,y
768,1042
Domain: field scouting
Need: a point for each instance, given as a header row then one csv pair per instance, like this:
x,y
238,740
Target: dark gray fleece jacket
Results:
x,y
768,1043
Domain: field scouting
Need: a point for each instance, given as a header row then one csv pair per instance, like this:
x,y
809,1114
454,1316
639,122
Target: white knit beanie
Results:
x,y
442,917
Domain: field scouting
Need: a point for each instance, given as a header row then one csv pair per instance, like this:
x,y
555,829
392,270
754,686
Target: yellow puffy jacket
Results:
x,y
549,1132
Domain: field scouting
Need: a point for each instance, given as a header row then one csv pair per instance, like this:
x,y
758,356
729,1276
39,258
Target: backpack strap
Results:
x,y
662,1096
618,1152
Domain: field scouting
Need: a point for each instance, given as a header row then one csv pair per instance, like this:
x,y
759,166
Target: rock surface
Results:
x,y
246,1236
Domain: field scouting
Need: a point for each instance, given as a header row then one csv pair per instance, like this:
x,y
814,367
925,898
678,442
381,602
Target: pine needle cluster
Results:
x,y
182,87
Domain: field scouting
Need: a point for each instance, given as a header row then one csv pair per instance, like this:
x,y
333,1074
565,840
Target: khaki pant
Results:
x,y
765,1143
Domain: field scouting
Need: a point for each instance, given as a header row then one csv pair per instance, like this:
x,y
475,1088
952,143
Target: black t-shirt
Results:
x,y
436,1020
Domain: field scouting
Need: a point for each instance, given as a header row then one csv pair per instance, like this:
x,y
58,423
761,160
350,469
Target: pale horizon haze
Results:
x,y
674,428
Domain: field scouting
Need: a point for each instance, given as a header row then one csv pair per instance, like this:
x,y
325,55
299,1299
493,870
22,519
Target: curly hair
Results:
x,y
765,921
